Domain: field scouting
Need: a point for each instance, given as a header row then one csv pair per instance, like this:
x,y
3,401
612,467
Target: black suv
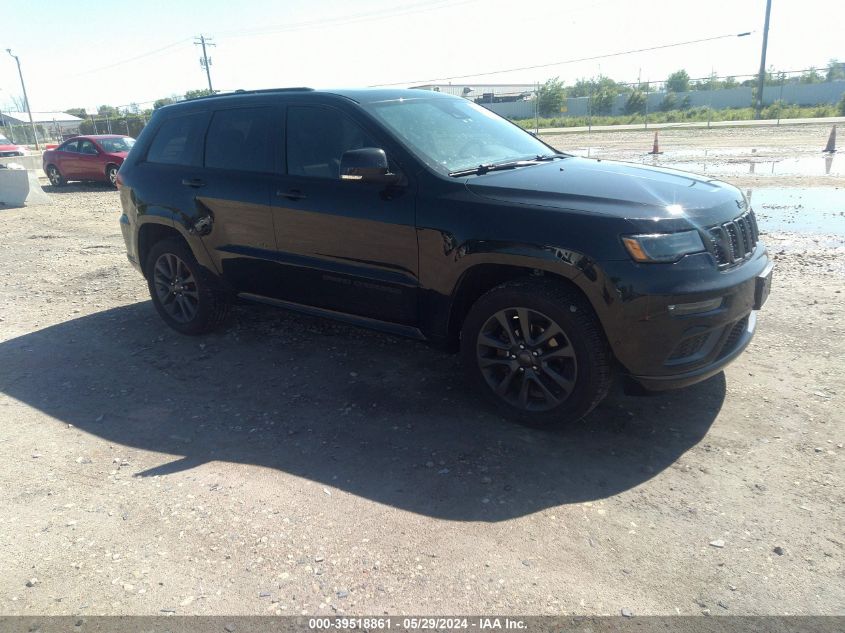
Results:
x,y
431,217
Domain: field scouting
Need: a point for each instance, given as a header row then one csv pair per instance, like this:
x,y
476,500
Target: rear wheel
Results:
x,y
55,176
189,298
536,347
111,174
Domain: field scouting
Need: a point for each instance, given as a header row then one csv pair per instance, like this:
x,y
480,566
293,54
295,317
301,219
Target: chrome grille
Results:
x,y
734,241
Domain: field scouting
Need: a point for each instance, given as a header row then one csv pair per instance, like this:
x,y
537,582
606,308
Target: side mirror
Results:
x,y
368,164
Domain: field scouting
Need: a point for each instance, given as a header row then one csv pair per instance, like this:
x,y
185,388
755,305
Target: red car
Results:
x,y
95,157
7,148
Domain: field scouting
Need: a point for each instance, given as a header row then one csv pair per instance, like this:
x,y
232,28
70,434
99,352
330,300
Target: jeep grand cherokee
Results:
x,y
428,216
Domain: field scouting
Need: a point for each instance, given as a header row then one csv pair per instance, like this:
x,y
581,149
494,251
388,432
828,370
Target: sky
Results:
x,y
86,53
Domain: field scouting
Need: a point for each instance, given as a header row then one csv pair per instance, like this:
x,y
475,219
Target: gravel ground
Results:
x,y
292,465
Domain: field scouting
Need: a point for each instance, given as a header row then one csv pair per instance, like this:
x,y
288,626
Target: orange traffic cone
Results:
x,y
831,141
656,148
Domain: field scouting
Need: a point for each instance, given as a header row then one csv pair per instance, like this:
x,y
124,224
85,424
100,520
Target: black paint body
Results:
x,y
410,257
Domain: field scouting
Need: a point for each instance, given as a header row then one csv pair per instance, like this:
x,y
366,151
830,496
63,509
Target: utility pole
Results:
x,y
205,60
25,99
761,79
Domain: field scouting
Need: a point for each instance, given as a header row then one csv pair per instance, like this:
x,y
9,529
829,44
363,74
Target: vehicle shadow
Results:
x,y
372,415
78,187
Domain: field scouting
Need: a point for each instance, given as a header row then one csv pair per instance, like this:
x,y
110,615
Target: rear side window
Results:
x,y
240,139
178,141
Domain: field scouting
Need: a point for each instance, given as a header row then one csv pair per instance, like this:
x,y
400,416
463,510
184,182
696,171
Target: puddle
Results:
x,y
818,210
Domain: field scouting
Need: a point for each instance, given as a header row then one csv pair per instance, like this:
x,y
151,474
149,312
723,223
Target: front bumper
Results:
x,y
660,346
737,339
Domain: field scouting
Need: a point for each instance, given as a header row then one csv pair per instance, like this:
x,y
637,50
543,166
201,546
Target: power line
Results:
x,y
419,7
567,61
135,58
323,22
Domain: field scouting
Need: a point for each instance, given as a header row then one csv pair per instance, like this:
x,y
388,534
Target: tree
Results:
x,y
86,127
635,103
730,82
108,111
842,105
160,103
551,97
194,94
678,81
811,76
835,70
582,88
669,102
77,112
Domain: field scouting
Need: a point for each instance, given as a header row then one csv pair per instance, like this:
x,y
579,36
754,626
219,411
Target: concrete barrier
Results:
x,y
19,188
32,162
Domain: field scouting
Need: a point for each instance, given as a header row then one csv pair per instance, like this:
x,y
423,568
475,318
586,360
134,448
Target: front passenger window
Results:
x,y
316,139
87,147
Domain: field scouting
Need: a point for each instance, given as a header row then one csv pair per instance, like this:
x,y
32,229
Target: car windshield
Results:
x,y
5,141
123,144
451,135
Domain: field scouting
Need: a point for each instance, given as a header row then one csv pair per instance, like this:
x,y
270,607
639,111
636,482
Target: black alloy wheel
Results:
x,y
535,348
176,288
527,359
190,298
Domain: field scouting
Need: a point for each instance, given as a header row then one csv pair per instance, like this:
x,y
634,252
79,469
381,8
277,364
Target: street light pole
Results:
x,y
761,78
25,99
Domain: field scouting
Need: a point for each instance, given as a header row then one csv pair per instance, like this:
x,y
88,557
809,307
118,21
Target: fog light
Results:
x,y
682,309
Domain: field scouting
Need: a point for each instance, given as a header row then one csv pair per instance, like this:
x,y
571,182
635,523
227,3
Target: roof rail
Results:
x,y
241,91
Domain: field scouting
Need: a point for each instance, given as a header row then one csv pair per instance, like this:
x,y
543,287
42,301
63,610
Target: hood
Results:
x,y
10,147
614,188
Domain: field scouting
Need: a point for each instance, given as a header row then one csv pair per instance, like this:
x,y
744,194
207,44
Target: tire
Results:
x,y
55,176
565,361
188,297
111,175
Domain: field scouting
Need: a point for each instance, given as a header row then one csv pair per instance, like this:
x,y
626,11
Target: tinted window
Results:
x,y
317,138
87,147
178,141
240,139
69,147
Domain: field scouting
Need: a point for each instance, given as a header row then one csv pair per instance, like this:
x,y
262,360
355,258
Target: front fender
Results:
x,y
443,276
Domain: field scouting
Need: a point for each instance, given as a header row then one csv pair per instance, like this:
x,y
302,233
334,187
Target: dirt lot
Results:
x,y
292,465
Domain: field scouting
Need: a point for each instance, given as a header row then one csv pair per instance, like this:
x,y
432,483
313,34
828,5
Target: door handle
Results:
x,y
291,194
193,182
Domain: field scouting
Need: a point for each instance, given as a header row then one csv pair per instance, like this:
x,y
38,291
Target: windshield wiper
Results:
x,y
482,169
485,167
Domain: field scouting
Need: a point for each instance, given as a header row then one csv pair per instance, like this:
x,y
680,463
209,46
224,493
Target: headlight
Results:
x,y
663,247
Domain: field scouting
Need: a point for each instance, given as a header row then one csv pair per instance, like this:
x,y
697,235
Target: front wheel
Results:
x,y
55,176
111,175
189,298
536,348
